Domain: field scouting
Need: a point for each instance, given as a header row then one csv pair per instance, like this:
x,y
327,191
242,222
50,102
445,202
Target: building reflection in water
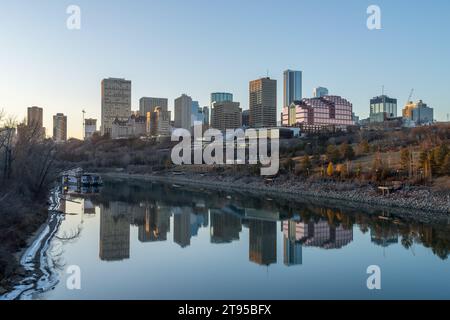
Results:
x,y
156,224
182,226
263,242
225,227
301,226
292,245
114,232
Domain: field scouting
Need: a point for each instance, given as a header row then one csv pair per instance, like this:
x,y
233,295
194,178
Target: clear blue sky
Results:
x,y
169,47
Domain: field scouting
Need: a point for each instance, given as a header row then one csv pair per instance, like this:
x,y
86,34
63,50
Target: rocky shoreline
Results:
x,y
418,203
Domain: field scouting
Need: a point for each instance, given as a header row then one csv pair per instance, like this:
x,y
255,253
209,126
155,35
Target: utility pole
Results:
x,y
84,125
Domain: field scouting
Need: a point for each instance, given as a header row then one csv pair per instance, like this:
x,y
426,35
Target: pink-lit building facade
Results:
x,y
323,111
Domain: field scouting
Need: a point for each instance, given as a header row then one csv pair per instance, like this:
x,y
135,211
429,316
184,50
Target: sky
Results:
x,y
170,47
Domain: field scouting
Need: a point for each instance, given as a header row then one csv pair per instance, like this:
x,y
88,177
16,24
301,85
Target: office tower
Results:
x,y
90,127
116,102
292,87
148,104
183,111
206,120
418,112
196,113
246,118
226,115
35,117
59,127
35,122
320,92
382,108
134,126
320,112
114,232
221,97
263,103
159,122
263,242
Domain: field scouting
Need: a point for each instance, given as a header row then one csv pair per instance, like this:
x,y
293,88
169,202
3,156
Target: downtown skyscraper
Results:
x,y
116,102
292,87
263,103
183,112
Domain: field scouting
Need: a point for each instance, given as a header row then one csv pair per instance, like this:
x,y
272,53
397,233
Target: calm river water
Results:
x,y
133,240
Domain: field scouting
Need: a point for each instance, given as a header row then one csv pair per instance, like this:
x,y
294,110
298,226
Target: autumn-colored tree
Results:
x,y
330,169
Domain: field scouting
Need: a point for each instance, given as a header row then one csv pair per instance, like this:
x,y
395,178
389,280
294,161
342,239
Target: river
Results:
x,y
139,240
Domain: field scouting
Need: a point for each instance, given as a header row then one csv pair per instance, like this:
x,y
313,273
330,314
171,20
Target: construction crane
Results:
x,y
410,96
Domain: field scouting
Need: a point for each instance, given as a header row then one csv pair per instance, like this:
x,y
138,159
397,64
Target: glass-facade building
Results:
x,y
292,87
221,97
196,113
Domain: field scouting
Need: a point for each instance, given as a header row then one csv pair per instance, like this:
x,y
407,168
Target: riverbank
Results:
x,y
34,273
420,203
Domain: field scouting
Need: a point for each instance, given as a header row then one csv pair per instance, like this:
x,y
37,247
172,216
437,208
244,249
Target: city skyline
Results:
x,y
65,68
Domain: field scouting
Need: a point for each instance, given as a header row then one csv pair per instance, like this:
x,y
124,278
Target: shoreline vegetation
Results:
x,y
28,172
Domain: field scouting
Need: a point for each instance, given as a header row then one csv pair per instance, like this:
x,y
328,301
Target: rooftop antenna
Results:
x,y
267,73
382,90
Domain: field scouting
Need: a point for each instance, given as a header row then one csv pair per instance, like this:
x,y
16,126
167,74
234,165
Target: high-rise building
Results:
x,y
226,115
382,108
35,121
35,117
148,104
325,111
320,92
221,97
116,102
183,111
206,119
90,127
246,118
263,103
292,87
418,112
134,126
159,122
59,127
196,113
